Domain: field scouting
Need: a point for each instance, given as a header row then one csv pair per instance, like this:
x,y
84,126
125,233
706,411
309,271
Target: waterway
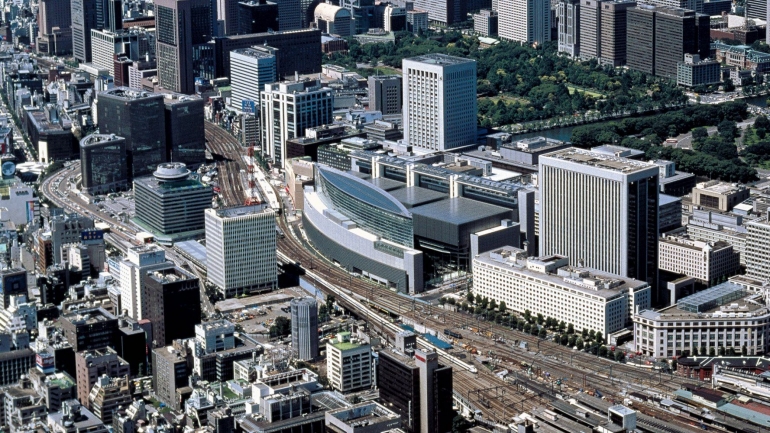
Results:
x,y
561,133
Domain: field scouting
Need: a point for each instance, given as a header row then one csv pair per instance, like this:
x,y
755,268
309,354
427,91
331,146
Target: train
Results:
x,y
452,334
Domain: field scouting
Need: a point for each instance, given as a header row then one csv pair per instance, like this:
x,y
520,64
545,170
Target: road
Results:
x,y
684,141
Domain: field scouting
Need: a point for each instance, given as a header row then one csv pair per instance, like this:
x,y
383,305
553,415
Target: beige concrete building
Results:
x,y
299,173
348,365
718,195
704,261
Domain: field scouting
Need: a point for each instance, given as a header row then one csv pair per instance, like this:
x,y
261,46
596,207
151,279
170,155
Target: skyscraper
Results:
x,y
227,16
304,328
439,101
250,70
290,107
257,16
385,93
527,21
568,13
90,15
601,211
138,117
103,163
173,304
603,30
659,37
240,249
289,14
55,27
180,25
185,136
435,392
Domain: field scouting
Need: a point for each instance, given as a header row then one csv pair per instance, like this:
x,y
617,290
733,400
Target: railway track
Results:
x,y
228,153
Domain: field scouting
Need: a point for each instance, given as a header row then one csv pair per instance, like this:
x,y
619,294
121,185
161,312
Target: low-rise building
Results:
x,y
707,262
107,395
673,182
741,56
586,298
721,196
724,316
362,418
711,226
348,364
696,72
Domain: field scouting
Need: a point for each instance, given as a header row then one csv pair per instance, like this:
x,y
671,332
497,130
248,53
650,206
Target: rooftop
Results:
x,y
601,161
240,211
724,301
129,93
440,59
718,187
694,244
98,139
89,316
416,196
459,210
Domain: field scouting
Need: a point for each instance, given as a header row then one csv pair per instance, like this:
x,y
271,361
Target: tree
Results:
x,y
727,129
571,341
464,306
485,303
478,299
699,133
619,355
728,85
579,343
281,327
469,297
562,326
460,424
599,337
762,122
534,330
712,352
478,310
543,333
721,350
603,351
744,350
492,305
540,319
502,307
527,327
442,301
592,335
564,339
521,325
330,299
570,329
584,333
323,313
527,316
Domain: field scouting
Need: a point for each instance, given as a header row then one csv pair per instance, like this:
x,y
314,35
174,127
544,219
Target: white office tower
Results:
x,y
215,336
527,21
758,249
241,249
439,102
250,70
601,211
288,109
568,13
139,261
304,328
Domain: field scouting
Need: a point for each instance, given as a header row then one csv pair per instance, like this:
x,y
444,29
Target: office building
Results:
x,y
549,285
603,26
92,364
138,117
90,15
659,37
707,262
348,364
108,395
12,282
169,373
287,109
758,249
215,336
170,203
696,72
385,94
619,233
89,329
54,23
173,304
417,389
485,22
669,213
227,18
250,69
304,328
185,137
332,19
131,270
439,102
241,249
526,21
257,16
14,364
180,25
103,166
706,321
394,18
133,44
443,12
298,50
756,9
711,226
568,18
719,196
417,21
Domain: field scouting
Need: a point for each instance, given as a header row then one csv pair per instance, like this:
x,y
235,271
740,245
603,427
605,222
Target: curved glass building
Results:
x,y
371,207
